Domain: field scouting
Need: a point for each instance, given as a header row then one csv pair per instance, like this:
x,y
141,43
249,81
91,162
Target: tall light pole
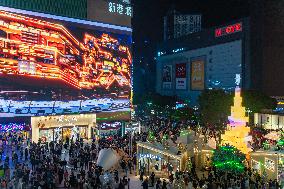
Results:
x,y
248,111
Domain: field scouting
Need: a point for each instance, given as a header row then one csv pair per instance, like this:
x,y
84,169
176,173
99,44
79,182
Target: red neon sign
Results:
x,y
228,30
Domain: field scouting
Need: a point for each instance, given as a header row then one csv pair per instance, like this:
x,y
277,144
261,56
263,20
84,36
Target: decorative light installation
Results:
x,y
12,127
237,133
269,164
228,159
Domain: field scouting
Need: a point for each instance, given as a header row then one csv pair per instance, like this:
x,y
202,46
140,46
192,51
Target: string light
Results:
x,y
228,158
13,127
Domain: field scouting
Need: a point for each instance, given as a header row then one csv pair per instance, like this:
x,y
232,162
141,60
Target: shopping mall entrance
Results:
x,y
54,128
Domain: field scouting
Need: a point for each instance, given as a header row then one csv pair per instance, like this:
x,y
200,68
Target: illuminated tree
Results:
x,y
214,111
151,136
228,159
280,142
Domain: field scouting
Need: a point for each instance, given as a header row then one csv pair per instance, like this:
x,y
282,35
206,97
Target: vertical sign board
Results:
x,y
181,76
197,75
167,77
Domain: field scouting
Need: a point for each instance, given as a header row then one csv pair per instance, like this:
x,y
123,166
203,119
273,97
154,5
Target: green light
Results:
x,y
228,159
112,117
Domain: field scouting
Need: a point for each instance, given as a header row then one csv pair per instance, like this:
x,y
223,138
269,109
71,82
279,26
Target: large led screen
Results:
x,y
49,66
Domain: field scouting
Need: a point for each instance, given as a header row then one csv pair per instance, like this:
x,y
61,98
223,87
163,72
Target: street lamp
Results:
x,y
248,111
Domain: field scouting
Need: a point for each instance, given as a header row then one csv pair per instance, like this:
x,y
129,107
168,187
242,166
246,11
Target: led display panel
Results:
x,y
50,66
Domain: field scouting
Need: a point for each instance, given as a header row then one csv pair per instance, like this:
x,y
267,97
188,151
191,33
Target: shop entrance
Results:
x,y
67,133
47,135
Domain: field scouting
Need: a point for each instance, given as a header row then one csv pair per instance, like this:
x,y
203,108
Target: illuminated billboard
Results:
x,y
49,66
181,76
197,74
117,12
167,77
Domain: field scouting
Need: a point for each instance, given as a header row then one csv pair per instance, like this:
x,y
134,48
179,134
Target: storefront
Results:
x,y
154,158
50,128
133,127
203,158
108,129
269,164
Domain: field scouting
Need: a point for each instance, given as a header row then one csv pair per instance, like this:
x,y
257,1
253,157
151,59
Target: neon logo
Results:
x,y
228,30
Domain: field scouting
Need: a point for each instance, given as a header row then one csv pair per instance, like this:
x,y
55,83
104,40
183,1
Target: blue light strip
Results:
x,y
62,18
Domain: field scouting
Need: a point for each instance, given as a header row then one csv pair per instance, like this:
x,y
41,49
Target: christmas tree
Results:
x,y
237,133
228,159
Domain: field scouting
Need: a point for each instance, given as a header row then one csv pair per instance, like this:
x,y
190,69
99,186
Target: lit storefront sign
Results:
x,y
228,29
122,9
109,126
151,156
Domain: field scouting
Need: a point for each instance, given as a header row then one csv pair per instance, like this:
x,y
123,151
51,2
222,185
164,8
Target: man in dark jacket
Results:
x,y
145,184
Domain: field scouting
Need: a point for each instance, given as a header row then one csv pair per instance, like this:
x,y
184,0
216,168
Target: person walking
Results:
x,y
145,183
152,179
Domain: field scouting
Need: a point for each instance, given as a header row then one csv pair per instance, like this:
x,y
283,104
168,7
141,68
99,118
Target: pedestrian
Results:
x,y
145,183
152,179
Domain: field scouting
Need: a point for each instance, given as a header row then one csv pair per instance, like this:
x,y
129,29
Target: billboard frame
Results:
x,y
198,58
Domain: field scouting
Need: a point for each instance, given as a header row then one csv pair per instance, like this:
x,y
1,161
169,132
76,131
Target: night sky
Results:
x,y
148,28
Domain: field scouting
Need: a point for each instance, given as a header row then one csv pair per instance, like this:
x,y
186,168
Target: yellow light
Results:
x,y
237,130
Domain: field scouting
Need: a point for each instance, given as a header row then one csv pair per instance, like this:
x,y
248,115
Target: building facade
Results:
x,y
209,59
117,12
269,120
38,38
267,41
178,25
68,8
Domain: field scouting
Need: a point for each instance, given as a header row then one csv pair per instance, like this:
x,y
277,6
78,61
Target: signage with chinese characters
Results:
x,y
234,28
117,12
197,75
110,126
181,76
121,9
167,77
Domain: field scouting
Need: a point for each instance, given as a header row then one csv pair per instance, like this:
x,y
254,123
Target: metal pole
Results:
x,y
131,141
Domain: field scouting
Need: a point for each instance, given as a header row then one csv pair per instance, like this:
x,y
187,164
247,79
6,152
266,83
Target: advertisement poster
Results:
x,y
181,76
167,77
197,75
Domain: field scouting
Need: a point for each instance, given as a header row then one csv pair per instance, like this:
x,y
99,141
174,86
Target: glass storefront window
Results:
x,y
46,135
161,165
83,132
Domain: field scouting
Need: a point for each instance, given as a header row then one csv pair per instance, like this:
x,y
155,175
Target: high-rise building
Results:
x,y
267,57
209,59
177,25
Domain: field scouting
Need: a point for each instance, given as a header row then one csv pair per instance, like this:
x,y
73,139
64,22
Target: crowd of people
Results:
x,y
67,164
73,164
212,180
